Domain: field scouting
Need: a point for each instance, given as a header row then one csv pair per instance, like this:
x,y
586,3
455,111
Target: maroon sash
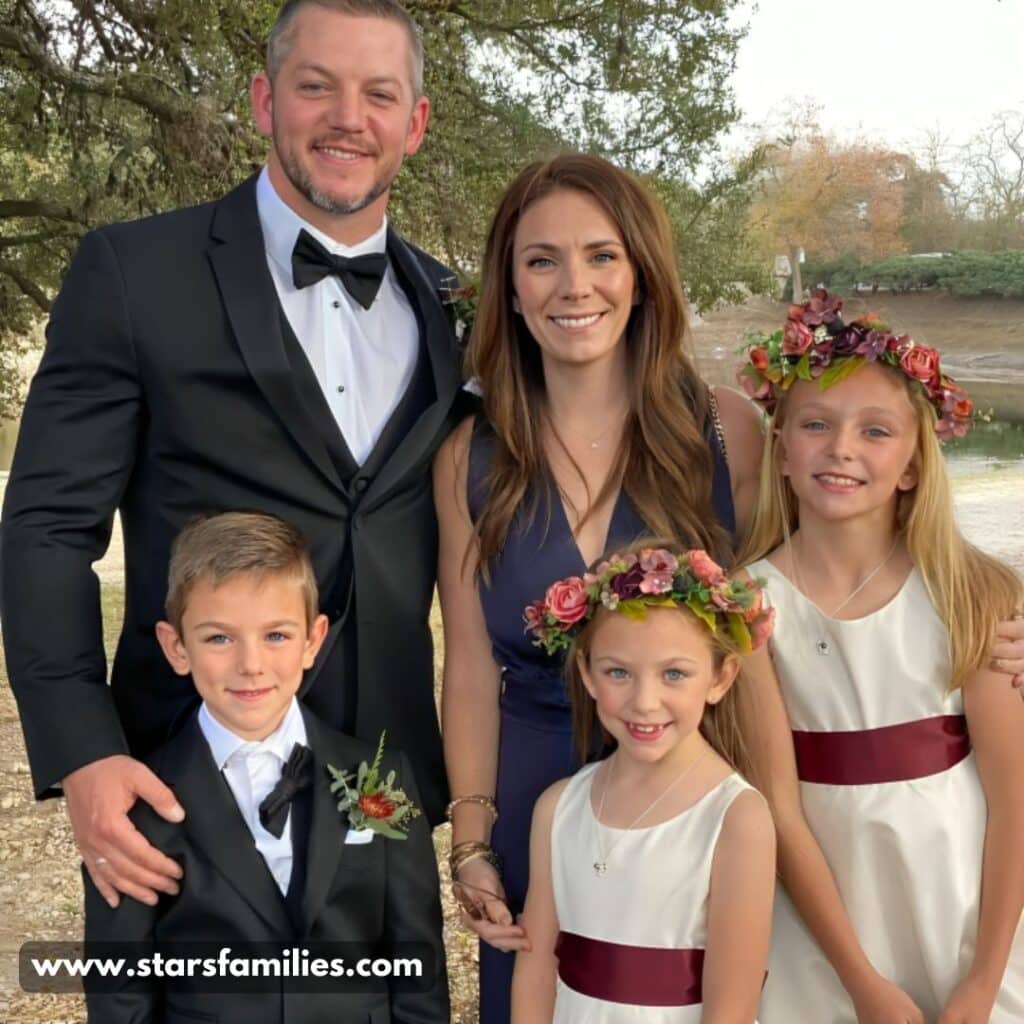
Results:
x,y
893,753
638,975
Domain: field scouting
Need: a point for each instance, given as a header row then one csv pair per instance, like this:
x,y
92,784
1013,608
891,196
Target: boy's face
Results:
x,y
246,645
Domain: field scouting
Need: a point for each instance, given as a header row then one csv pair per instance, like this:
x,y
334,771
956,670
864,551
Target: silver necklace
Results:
x,y
601,864
595,442
823,647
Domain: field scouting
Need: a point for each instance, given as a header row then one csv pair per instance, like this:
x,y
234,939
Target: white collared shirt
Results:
x,y
363,358
252,770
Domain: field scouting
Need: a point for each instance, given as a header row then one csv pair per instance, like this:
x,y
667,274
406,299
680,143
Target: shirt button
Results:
x,y
341,389
336,304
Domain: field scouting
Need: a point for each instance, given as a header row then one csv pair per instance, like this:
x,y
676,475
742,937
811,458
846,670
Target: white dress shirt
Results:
x,y
252,770
363,358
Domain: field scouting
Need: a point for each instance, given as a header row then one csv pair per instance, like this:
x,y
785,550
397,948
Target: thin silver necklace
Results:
x,y
822,646
601,864
595,442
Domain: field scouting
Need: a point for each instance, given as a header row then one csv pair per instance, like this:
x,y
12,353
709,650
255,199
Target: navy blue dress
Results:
x,y
536,746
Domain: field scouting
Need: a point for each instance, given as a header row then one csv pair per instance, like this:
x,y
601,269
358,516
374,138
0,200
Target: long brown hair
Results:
x,y
663,463
970,590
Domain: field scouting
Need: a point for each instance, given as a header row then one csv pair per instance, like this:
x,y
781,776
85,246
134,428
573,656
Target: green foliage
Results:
x,y
959,273
113,109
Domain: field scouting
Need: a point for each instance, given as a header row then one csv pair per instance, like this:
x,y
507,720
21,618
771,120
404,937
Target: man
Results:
x,y
225,357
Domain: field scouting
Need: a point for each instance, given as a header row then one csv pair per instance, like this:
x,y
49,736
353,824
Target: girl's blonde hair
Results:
x,y
720,722
970,590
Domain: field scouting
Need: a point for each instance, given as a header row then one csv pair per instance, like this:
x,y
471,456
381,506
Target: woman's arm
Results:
x,y
802,865
533,983
739,913
744,443
995,720
471,687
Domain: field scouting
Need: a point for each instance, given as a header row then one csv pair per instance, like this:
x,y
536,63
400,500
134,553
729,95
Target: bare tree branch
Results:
x,y
29,287
36,208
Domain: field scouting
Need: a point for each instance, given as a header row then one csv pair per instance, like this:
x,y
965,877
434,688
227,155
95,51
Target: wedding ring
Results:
x,y
100,861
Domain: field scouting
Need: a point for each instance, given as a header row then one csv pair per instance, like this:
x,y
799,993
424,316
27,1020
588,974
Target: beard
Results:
x,y
302,181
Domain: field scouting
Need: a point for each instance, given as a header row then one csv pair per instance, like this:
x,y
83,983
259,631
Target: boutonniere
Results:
x,y
460,302
372,803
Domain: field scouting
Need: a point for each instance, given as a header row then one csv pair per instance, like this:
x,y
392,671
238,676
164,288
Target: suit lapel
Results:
x,y
328,827
214,825
439,343
239,263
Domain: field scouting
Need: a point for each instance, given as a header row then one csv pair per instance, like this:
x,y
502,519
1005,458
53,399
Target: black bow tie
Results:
x,y
296,776
361,275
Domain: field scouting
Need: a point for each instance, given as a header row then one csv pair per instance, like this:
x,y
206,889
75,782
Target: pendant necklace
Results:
x,y
593,443
823,647
601,864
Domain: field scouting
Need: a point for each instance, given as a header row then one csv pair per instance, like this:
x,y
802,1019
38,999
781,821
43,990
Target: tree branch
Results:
x,y
29,287
37,208
11,241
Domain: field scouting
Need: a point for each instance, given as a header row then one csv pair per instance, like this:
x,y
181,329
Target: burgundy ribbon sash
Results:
x,y
638,975
893,753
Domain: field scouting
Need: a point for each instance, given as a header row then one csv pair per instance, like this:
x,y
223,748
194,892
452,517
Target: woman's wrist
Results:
x,y
471,822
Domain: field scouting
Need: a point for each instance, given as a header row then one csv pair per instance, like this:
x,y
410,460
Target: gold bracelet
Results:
x,y
475,798
471,850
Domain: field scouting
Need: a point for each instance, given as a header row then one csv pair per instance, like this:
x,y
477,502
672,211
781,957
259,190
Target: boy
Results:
x,y
266,855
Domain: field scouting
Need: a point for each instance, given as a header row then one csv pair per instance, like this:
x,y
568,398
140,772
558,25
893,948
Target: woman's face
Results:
x,y
574,283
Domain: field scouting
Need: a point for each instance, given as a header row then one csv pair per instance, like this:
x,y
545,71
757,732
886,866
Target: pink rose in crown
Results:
x,y
751,613
796,338
658,560
921,363
758,389
705,568
567,600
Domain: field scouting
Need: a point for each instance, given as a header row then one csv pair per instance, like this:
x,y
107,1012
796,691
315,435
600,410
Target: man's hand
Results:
x,y
116,855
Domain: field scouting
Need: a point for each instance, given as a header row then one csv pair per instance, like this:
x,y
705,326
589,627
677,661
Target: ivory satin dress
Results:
x,y
639,929
892,794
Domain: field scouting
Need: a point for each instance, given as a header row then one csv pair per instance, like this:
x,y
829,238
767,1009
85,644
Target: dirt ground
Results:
x,y
40,894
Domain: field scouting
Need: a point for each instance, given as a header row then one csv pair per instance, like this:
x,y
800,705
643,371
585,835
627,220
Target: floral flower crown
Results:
x,y
653,578
815,344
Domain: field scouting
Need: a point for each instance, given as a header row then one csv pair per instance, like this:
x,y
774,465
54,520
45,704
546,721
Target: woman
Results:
x,y
596,429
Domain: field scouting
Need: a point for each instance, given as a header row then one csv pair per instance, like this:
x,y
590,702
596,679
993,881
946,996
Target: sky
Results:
x,y
887,70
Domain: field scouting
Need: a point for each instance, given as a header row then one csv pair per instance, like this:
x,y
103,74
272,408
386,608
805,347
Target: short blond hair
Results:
x,y
215,548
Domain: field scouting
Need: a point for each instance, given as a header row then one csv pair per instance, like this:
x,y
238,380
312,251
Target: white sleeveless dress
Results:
x,y
906,855
654,893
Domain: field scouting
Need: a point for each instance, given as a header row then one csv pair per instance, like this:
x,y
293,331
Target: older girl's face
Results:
x,y
574,283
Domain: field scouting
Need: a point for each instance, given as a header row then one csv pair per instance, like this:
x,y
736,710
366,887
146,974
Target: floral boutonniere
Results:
x,y
460,301
373,803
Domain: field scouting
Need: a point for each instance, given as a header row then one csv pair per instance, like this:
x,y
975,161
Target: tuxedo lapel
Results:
x,y
239,263
214,825
441,352
327,828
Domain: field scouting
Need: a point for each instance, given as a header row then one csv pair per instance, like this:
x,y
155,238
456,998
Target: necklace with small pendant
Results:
x,y
601,864
822,646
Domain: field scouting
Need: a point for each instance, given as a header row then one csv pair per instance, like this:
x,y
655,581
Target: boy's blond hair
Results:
x,y
215,548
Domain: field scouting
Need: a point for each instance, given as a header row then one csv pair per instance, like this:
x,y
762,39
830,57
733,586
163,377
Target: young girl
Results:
x,y
651,872
900,845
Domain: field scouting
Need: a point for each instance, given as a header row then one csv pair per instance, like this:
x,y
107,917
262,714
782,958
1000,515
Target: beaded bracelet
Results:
x,y
471,850
475,798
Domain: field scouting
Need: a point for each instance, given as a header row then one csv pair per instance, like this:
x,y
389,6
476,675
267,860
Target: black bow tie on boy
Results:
x,y
361,275
296,776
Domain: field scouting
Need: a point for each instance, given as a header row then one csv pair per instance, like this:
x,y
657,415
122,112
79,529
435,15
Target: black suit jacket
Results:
x,y
382,895
170,386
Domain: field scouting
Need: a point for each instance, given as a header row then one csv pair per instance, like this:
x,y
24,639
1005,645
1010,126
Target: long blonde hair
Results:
x,y
663,464
970,590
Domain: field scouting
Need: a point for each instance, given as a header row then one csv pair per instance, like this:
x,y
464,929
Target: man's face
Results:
x,y
342,115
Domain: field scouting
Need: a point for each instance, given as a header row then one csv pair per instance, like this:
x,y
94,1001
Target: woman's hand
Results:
x,y
481,896
882,1002
970,1003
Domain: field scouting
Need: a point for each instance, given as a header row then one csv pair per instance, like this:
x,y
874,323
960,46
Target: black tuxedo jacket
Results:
x,y
171,385
381,895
